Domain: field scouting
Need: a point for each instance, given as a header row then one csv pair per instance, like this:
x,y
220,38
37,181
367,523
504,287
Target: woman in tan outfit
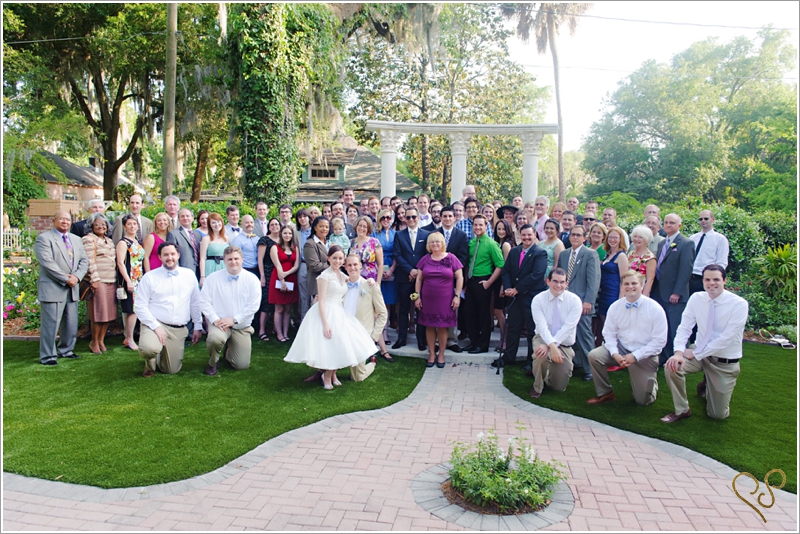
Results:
x,y
102,307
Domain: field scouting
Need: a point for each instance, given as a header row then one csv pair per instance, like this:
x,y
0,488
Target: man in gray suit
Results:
x,y
145,224
674,262
62,265
261,223
582,266
184,237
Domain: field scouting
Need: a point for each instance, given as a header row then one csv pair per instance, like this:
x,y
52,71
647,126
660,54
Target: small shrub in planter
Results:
x,y
508,480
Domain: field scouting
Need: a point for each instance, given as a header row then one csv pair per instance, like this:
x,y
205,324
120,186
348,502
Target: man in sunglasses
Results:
x,y
709,247
409,249
589,218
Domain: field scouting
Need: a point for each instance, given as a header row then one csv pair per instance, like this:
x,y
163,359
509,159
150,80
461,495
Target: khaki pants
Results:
x,y
361,372
167,357
720,381
239,346
642,374
555,375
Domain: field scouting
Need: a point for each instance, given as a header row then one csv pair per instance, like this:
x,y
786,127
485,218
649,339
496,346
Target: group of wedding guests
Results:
x,y
446,273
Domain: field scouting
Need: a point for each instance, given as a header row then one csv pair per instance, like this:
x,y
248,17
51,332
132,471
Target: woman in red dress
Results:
x,y
283,290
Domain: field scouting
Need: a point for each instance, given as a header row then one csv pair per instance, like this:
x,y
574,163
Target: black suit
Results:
x,y
672,277
407,255
431,227
564,236
528,279
459,245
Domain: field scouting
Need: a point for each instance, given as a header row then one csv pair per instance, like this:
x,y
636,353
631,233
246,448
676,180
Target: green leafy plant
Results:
x,y
789,331
485,474
777,270
777,227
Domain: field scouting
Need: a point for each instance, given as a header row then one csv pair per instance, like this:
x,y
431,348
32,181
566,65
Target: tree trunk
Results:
x,y
551,34
168,166
426,165
200,169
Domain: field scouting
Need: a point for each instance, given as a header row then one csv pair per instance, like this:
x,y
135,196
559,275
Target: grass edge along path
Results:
x,y
97,421
760,434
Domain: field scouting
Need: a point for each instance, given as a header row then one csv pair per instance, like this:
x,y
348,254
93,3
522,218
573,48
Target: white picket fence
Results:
x,y
12,239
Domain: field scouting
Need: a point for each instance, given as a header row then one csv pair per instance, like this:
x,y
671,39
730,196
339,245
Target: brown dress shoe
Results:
x,y
148,373
701,388
535,394
313,378
672,417
602,398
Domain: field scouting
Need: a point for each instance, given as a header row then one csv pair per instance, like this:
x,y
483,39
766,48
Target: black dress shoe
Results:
x,y
527,368
399,343
462,336
497,363
422,346
51,361
455,348
588,377
477,350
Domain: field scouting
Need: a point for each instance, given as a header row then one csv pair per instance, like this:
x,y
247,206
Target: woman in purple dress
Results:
x,y
439,283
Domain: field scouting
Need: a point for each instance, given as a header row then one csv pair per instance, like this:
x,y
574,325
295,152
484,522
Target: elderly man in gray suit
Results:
x,y
582,266
62,265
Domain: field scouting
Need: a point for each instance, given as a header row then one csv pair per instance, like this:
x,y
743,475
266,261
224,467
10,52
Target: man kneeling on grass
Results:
x,y
720,317
229,300
165,300
635,331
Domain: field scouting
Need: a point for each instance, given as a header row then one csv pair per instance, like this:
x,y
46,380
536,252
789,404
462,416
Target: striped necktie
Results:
x,y
68,245
572,257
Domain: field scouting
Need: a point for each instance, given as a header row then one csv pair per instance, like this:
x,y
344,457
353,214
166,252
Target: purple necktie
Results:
x,y
521,257
69,250
661,259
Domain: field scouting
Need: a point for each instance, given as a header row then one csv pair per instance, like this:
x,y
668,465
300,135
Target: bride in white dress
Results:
x,y
330,338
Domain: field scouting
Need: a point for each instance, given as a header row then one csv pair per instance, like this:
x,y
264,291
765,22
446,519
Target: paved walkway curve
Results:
x,y
354,472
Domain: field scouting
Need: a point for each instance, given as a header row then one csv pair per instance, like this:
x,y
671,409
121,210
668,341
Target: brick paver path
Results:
x,y
354,472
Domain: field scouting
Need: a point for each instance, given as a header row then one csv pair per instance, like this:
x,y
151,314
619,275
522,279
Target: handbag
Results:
x,y
85,289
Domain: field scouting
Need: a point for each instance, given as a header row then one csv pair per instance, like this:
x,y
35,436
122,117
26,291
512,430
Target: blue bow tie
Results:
x,y
630,305
232,277
173,272
352,284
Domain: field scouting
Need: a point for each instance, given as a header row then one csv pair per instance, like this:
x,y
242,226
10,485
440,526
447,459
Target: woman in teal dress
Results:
x,y
552,245
212,247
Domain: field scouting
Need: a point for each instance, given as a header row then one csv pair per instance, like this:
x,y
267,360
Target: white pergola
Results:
x,y
460,134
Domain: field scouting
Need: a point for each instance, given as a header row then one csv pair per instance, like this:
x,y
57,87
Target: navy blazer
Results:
x,y
458,246
527,278
676,269
407,255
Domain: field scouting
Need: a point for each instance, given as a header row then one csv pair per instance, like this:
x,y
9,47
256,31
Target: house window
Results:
x,y
324,173
70,196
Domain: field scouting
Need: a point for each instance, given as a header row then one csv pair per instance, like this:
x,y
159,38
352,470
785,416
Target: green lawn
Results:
x,y
760,434
97,421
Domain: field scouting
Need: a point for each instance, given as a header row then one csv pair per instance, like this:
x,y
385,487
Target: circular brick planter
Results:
x,y
427,490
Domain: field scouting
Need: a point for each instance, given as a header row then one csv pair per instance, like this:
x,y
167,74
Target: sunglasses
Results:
x,y
411,216
589,219
703,218
386,218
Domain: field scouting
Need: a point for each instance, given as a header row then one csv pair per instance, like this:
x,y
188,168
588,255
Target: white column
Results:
x,y
389,140
459,143
530,165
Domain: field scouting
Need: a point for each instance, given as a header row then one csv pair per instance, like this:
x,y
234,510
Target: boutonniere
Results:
x,y
363,291
673,245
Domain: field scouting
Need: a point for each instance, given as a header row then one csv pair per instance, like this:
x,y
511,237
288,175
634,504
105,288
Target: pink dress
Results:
x,y
155,261
639,263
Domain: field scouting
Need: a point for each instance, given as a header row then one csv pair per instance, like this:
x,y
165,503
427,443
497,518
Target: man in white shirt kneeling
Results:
x,y
229,300
720,317
556,314
166,298
635,331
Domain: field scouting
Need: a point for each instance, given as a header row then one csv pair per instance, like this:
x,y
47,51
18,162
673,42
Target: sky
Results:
x,y
604,52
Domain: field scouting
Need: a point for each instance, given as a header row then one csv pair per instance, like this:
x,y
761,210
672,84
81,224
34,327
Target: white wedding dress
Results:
x,y
350,344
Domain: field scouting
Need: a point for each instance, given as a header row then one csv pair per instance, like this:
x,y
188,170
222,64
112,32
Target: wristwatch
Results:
x,y
235,321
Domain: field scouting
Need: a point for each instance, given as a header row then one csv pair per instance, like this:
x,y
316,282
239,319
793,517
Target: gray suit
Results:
x,y
257,227
119,231
584,282
673,277
185,248
59,302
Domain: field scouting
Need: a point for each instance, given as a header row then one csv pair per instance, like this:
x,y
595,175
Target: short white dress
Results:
x,y
350,344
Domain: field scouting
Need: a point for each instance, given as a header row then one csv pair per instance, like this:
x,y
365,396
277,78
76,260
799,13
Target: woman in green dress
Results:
x,y
212,247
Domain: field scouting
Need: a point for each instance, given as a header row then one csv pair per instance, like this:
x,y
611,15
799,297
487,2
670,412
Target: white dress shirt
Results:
x,y
715,249
222,297
172,300
570,308
351,298
640,328
727,331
